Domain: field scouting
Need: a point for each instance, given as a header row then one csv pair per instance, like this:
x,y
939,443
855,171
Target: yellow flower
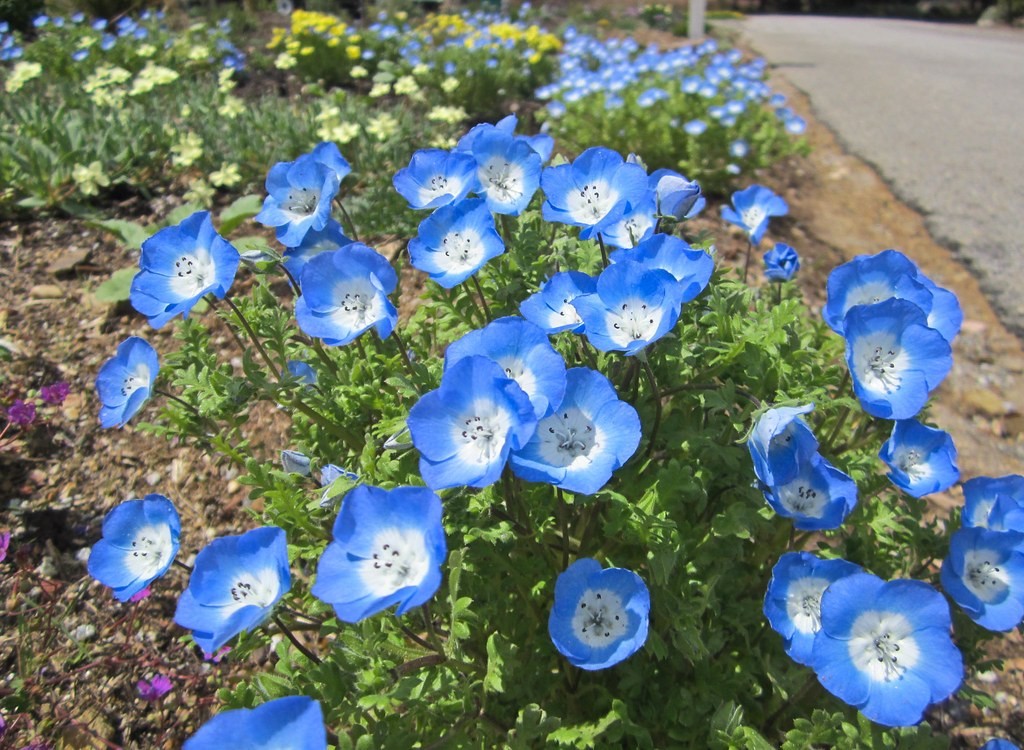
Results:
x,y
444,142
200,193
231,108
382,127
225,80
187,151
421,69
306,51
406,85
227,176
23,73
449,84
198,52
358,71
90,178
150,77
379,90
145,50
449,115
353,52
341,134
333,42
285,61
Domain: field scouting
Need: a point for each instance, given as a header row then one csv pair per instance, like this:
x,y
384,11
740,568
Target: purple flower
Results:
x,y
56,393
5,543
21,413
154,689
138,596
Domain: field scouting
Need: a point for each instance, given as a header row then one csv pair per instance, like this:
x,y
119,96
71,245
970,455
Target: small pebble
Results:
x,y
153,478
83,632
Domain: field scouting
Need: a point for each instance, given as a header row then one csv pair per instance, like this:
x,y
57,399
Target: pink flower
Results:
x,y
140,595
56,393
215,658
155,688
21,412
5,542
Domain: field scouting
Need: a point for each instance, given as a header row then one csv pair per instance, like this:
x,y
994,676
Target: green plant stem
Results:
x,y
483,299
604,250
183,566
405,358
348,219
563,523
176,399
324,357
838,426
291,280
252,335
657,402
506,230
295,641
333,427
746,263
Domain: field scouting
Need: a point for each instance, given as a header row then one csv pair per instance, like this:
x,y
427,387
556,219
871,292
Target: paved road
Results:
x,y
938,109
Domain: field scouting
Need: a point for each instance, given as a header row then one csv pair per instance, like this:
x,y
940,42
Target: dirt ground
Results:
x,y
79,654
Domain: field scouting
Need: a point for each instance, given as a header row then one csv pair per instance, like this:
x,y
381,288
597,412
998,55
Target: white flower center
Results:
x,y
752,217
255,588
911,463
880,361
503,180
882,644
358,304
480,434
301,202
983,577
138,378
600,619
592,202
800,497
567,437
803,603
462,250
633,321
868,294
193,273
150,551
398,559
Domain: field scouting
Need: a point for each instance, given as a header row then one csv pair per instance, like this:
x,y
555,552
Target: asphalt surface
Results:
x,y
938,110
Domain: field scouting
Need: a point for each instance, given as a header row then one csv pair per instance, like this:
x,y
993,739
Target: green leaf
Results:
x,y
242,209
117,288
129,232
181,213
500,655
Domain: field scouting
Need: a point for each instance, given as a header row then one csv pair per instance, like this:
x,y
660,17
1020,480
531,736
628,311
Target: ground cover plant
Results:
x,y
574,387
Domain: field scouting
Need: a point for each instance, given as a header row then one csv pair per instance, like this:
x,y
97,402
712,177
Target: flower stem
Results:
x,y
604,250
252,335
746,263
405,357
348,219
657,402
295,641
483,299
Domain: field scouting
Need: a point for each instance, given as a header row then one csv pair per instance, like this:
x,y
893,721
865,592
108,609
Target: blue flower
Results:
x,y
691,268
523,351
921,459
634,226
345,293
633,306
600,616
388,548
588,436
999,744
988,501
780,443
593,192
542,143
695,127
140,541
818,497
294,462
465,429
792,603
781,263
125,381
316,241
301,371
551,308
179,265
455,241
984,574
508,171
677,196
895,359
328,476
436,178
870,279
752,208
300,193
235,583
294,722
884,648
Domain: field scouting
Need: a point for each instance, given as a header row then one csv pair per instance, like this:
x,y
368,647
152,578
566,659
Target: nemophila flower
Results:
x,y
636,224
820,496
691,268
55,393
300,193
328,476
600,616
884,648
921,459
589,435
21,412
301,371
551,308
999,744
792,603
984,575
181,264
632,307
295,722
593,192
870,279
895,359
388,548
455,241
140,541
436,178
988,500
781,263
235,583
508,171
524,352
316,241
151,690
294,462
751,210
125,381
345,293
677,196
780,443
465,429
695,127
